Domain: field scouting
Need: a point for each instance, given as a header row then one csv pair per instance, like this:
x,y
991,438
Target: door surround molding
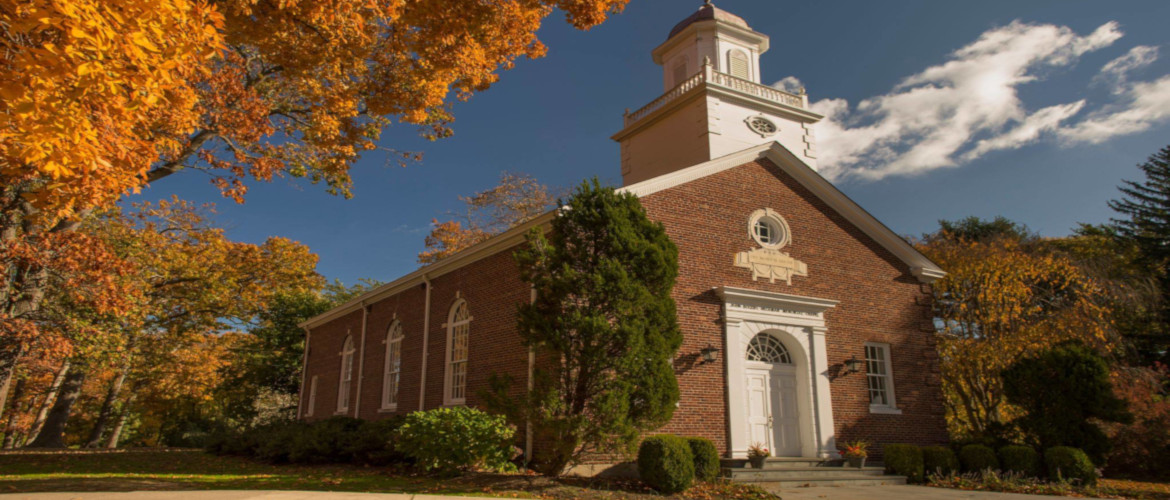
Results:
x,y
799,322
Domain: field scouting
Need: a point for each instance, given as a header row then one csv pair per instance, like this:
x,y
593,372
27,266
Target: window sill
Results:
x,y
454,403
388,409
342,411
885,410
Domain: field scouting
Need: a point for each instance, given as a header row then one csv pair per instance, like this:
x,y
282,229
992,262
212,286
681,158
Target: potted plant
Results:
x,y
757,455
855,452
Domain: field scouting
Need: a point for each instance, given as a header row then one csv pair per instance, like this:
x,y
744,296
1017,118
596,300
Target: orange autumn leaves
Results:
x,y
103,97
88,84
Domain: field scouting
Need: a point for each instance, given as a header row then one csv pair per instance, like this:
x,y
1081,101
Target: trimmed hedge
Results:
x,y
904,460
706,457
939,460
1067,463
452,439
978,458
1021,460
665,463
334,440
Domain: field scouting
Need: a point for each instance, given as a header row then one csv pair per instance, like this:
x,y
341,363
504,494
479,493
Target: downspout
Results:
x,y
422,389
531,384
361,361
304,368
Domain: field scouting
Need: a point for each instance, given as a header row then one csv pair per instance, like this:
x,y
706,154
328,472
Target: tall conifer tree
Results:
x,y
1145,207
603,325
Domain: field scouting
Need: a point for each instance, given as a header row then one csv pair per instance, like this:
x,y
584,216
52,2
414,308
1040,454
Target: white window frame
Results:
x,y
392,371
747,64
449,385
312,396
891,406
345,375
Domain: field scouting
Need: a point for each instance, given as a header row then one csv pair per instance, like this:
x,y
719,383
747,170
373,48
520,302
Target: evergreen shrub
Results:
x,y
665,463
1021,460
706,457
939,460
904,460
978,458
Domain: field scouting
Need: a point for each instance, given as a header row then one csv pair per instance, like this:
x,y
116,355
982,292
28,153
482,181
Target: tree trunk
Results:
x,y
117,432
50,398
8,363
52,434
10,427
99,426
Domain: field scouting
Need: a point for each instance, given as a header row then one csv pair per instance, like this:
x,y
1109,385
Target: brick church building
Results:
x,y
806,321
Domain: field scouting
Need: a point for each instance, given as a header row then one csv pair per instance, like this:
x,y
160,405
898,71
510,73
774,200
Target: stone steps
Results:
x,y
795,472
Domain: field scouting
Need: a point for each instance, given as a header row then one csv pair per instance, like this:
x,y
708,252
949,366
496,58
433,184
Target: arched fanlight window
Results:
x,y
458,331
346,375
393,368
767,349
738,65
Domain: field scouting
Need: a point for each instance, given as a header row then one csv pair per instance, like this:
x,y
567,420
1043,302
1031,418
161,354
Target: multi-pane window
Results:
x,y
763,232
458,330
767,349
393,368
878,374
346,375
312,396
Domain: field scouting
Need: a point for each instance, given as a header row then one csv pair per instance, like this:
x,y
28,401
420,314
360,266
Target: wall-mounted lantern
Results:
x,y
853,365
710,354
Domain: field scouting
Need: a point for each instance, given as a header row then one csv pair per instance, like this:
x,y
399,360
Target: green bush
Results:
x,y
706,456
939,460
1067,463
376,443
335,440
978,458
1020,460
453,439
904,460
1066,394
665,463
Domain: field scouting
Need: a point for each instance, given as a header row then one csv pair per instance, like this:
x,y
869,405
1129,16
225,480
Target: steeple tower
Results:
x,y
714,102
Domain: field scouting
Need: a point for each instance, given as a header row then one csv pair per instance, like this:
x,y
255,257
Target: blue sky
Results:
x,y
1024,116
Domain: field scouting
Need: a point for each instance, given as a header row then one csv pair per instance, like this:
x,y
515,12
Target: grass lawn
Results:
x,y
126,470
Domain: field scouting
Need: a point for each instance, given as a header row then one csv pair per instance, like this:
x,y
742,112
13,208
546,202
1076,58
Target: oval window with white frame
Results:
x,y
761,125
769,229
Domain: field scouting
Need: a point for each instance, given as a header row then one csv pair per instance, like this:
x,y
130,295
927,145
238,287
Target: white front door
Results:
x,y
773,421
759,408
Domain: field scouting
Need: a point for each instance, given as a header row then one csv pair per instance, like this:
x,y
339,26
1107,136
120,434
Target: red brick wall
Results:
x,y
707,218
879,301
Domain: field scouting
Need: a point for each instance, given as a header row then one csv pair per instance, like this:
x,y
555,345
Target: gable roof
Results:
x,y
920,266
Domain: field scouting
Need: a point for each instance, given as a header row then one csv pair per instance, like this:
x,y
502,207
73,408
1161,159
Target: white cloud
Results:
x,y
789,84
1116,72
968,106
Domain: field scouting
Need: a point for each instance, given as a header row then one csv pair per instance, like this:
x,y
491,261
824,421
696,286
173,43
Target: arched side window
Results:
x,y
738,64
765,348
458,331
393,369
346,375
680,70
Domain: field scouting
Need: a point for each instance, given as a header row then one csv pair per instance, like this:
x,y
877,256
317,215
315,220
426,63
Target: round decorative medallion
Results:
x,y
769,229
761,125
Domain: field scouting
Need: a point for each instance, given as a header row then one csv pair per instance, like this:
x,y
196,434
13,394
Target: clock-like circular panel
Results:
x,y
769,229
762,125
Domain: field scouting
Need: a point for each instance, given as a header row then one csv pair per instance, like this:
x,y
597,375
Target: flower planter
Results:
x,y
757,462
855,462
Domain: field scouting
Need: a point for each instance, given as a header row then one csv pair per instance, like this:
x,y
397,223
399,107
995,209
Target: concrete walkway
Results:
x,y
896,493
819,493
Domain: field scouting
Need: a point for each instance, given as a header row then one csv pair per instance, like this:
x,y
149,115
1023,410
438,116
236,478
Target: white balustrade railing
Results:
x,y
710,76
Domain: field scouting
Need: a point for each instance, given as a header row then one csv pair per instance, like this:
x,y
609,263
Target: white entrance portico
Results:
x,y
777,373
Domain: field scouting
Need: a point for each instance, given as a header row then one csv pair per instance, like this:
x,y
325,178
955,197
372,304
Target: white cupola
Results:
x,y
714,102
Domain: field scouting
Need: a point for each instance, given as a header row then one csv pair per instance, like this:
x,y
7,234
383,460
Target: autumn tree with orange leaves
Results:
x,y
1007,295
516,199
102,98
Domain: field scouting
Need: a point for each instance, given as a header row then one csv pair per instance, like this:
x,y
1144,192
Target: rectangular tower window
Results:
x,y
880,378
